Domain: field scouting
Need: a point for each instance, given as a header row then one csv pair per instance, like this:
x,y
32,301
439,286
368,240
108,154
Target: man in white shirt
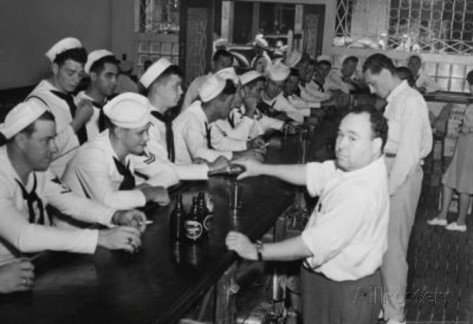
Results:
x,y
346,236
192,136
409,141
27,187
317,87
67,59
102,171
102,69
162,82
423,82
220,60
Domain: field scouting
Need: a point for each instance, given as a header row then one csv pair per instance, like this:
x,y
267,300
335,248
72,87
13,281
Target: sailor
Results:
x,y
101,169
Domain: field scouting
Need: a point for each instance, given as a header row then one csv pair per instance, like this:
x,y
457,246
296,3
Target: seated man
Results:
x,y
27,187
423,82
67,58
191,128
246,122
344,241
317,87
102,69
345,79
101,169
162,82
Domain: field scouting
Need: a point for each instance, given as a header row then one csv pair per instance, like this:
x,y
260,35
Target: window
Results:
x,y
159,16
434,26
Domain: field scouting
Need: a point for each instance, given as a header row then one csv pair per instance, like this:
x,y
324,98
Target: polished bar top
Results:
x,y
450,97
162,281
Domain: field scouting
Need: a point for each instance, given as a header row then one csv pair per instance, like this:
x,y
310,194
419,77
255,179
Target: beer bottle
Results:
x,y
193,226
228,171
205,214
176,220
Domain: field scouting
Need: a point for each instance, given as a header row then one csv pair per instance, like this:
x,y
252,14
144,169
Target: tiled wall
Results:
x,y
154,46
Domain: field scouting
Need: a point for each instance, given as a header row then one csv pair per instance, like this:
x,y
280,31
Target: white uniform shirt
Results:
x,y
93,173
26,237
410,134
424,81
315,91
190,136
156,165
192,93
347,231
92,125
66,139
335,81
295,110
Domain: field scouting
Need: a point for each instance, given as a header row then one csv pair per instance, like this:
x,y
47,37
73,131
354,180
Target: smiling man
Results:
x,y
346,236
102,170
67,58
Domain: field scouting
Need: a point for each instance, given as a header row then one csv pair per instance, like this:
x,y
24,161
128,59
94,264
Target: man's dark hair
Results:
x,y
353,59
229,89
404,73
78,54
376,62
415,57
379,124
324,62
99,65
469,77
221,53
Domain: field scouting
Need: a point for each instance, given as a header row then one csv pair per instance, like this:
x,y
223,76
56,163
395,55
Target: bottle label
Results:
x,y
208,221
193,230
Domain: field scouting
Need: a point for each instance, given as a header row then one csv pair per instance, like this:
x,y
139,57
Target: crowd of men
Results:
x,y
96,157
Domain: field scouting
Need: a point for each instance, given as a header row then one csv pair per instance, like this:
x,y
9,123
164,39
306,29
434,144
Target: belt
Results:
x,y
390,155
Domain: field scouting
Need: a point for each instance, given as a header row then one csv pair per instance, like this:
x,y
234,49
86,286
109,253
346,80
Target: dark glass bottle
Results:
x,y
176,220
228,171
205,214
193,225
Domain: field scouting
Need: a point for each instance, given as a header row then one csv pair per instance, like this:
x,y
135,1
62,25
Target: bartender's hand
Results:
x,y
220,163
16,276
84,112
252,168
241,245
120,238
132,217
159,195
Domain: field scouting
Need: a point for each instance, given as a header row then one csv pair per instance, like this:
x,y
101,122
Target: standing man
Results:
x,y
27,187
191,128
162,82
67,64
220,60
345,239
102,69
101,169
409,141
423,82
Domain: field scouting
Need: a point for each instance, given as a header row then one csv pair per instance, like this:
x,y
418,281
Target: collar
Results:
x,y
397,90
369,171
196,106
8,167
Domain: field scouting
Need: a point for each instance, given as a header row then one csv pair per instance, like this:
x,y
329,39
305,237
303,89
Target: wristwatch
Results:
x,y
259,250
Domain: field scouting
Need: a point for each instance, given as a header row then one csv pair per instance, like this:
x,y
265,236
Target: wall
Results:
x,y
29,27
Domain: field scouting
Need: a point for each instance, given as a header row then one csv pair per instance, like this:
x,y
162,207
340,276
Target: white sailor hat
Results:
x,y
294,58
62,46
95,56
249,76
21,116
228,74
211,88
324,58
260,41
128,110
154,71
278,72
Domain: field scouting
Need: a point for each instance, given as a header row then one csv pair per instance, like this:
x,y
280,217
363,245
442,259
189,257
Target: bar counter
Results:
x,y
164,280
